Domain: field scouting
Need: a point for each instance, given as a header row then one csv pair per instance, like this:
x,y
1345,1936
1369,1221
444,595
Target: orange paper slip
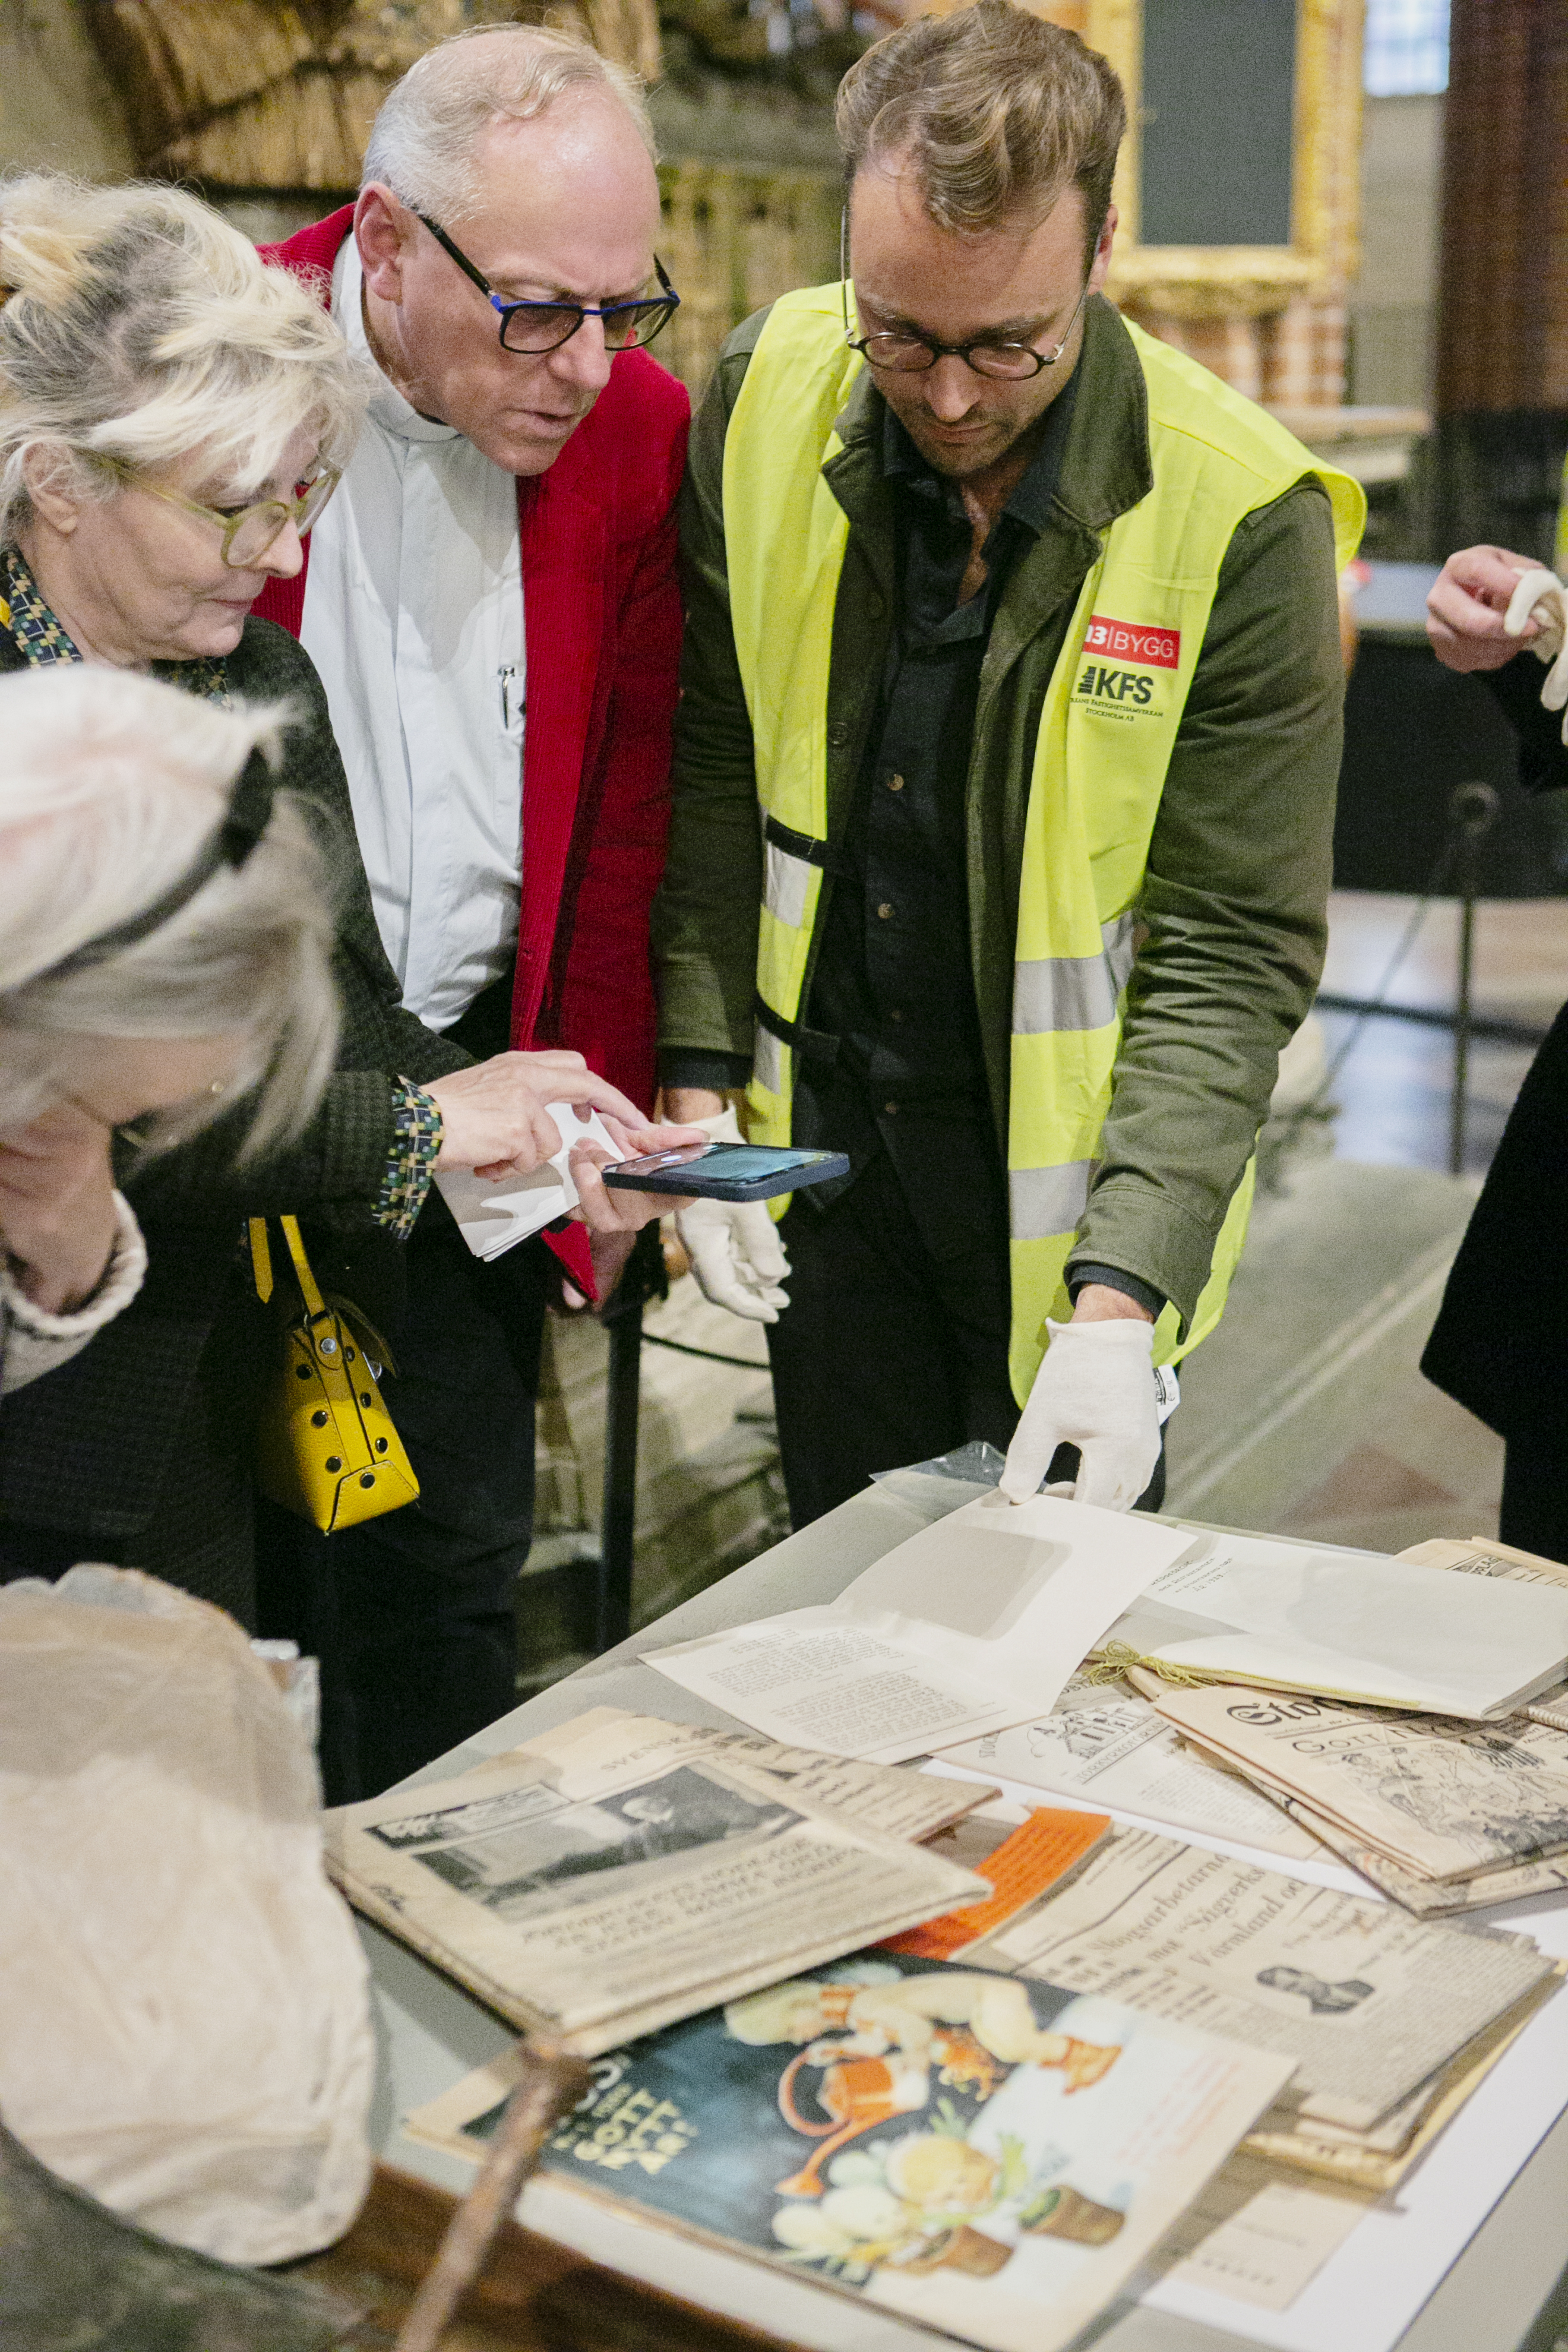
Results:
x,y
1039,1855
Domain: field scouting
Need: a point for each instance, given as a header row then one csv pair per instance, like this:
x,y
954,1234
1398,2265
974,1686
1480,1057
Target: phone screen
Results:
x,y
743,1160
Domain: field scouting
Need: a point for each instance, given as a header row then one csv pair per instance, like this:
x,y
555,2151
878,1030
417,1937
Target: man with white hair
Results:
x,y
491,601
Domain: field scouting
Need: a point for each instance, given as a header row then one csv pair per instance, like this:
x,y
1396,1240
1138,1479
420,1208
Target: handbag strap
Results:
x,y
314,1303
260,1258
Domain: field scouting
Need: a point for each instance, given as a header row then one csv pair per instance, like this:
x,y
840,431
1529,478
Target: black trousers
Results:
x,y
885,1354
1534,1514
413,1616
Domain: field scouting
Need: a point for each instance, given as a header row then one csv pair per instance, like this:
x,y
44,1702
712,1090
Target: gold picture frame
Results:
x,y
1245,281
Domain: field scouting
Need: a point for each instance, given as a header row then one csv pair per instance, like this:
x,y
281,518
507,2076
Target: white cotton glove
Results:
x,y
734,1246
1541,598
1095,1390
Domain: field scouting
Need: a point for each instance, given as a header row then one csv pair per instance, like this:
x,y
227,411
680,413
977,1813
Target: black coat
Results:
x,y
94,1449
1499,1344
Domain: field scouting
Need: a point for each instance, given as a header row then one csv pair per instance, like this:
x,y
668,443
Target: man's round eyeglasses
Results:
x,y
538,327
248,532
898,351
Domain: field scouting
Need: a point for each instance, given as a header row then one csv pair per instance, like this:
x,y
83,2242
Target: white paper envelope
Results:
x,y
494,1214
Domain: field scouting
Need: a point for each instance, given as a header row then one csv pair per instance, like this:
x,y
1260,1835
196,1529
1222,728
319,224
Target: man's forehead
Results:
x,y
1012,268
524,245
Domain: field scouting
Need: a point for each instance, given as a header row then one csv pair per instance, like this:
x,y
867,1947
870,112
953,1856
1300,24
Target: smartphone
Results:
x,y
728,1171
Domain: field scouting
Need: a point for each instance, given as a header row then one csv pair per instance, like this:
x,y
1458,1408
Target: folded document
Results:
x,y
1348,1624
973,1624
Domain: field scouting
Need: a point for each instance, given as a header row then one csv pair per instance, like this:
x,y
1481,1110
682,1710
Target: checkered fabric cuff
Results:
x,y
415,1141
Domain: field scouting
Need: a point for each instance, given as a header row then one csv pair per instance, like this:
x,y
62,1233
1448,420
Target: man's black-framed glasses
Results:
x,y
898,350
535,328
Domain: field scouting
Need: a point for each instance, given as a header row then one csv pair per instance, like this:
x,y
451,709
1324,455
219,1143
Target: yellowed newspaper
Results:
x,y
884,1797
1445,1799
1430,1898
1103,1743
1369,2001
622,1887
1379,2159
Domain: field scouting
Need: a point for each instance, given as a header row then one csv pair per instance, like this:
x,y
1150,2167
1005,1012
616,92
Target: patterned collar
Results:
x,y
43,639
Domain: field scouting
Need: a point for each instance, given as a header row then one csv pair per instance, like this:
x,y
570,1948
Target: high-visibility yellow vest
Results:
x,y
1107,730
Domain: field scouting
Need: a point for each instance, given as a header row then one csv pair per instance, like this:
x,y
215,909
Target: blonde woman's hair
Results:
x,y
421,143
112,785
998,111
137,326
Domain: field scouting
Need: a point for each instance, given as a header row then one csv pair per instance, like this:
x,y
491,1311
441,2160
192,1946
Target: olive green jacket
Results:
x,y
1232,911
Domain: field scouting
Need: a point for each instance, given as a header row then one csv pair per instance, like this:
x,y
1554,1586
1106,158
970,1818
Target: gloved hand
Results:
x,y
1095,1390
1541,598
734,1246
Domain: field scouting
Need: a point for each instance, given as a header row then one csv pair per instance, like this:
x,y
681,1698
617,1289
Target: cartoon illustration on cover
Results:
x,y
974,2149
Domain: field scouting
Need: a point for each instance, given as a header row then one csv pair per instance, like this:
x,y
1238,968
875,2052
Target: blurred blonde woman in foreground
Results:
x,y
172,413
164,953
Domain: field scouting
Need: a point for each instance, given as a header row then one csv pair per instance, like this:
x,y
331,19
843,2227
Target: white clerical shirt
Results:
x,y
414,618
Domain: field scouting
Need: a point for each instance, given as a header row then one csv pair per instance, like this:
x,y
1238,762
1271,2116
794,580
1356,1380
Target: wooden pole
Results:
x,y
551,2082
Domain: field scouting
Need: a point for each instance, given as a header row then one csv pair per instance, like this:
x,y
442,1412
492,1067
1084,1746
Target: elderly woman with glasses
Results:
x,y
172,413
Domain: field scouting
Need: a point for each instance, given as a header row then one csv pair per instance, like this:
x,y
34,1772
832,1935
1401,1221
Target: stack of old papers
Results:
x,y
1444,1816
1389,2022
622,1872
1105,1743
976,1625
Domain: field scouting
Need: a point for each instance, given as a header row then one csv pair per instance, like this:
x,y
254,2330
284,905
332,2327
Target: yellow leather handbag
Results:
x,y
326,1447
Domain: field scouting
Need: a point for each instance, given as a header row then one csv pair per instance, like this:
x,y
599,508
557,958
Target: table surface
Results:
x,y
1459,2258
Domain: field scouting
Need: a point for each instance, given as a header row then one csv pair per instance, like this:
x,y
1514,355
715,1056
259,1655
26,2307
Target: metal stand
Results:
x,y
1472,812
644,1278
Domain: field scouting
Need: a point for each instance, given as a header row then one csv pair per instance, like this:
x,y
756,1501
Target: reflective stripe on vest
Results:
x,y
1108,724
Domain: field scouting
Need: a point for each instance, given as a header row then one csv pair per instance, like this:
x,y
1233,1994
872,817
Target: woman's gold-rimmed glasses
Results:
x,y
248,532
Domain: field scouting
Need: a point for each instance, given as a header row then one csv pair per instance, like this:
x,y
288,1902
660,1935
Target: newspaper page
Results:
x,y
601,1902
1258,2238
972,1624
996,2160
1483,1556
1349,1625
900,1803
1430,1898
1379,2161
1103,1742
1369,2001
1443,1799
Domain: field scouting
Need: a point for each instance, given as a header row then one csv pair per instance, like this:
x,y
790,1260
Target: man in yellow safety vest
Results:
x,y
1004,791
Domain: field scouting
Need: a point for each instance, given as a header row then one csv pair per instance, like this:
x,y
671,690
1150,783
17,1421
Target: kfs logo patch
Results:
x,y
1123,677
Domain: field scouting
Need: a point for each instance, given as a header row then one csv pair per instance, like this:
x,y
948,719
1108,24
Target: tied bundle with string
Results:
x,y
1110,1663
